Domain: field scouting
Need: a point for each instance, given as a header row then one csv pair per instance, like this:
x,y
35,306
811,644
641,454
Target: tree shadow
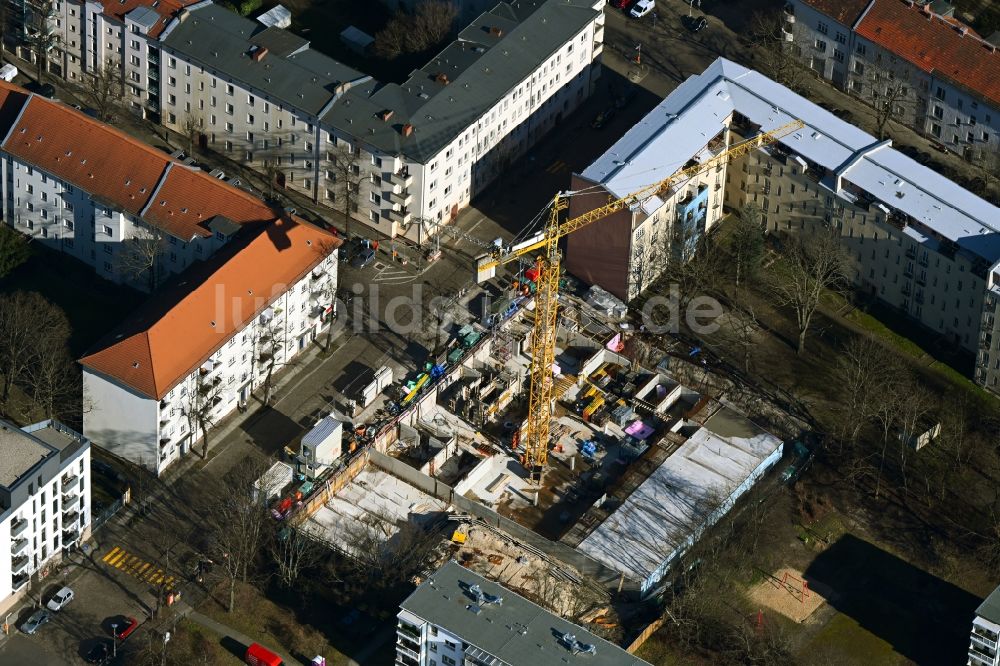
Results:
x,y
924,618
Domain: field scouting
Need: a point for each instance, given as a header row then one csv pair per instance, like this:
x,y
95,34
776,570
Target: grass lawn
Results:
x,y
202,645
93,305
267,622
843,641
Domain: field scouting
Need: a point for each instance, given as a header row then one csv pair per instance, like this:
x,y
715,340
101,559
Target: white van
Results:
x,y
8,72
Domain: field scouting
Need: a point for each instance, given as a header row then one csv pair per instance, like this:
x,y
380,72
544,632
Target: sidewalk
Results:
x,y
226,631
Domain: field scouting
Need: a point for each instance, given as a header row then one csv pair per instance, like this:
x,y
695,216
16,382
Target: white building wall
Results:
x,y
984,643
55,515
119,419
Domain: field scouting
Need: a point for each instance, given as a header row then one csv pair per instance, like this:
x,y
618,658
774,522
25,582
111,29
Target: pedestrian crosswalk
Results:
x,y
137,567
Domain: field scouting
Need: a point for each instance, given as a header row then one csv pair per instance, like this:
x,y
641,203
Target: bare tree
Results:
x,y
864,370
40,34
813,265
52,379
236,521
774,55
268,345
747,242
412,33
293,553
142,255
104,91
29,324
986,160
348,175
888,88
14,249
201,403
384,554
192,128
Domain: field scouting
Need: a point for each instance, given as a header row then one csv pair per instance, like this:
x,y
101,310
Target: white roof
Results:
x,y
659,515
681,125
278,17
324,429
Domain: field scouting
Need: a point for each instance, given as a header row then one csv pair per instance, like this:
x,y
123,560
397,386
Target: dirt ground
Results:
x,y
788,592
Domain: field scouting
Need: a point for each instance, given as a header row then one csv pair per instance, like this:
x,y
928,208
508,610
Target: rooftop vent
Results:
x,y
407,129
442,78
385,115
258,53
496,31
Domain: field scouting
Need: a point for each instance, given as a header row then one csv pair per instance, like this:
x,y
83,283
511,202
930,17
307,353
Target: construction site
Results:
x,y
547,443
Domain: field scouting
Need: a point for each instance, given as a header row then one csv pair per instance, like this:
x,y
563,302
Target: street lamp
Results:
x,y
691,4
114,639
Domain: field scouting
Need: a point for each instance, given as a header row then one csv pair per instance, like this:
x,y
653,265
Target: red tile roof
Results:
x,y
165,8
178,332
845,12
188,198
91,155
934,45
118,169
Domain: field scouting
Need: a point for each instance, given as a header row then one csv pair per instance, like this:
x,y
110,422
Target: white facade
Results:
x,y
68,219
45,502
984,640
155,433
933,104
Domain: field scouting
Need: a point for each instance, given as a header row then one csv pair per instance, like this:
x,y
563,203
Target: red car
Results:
x,y
125,627
621,4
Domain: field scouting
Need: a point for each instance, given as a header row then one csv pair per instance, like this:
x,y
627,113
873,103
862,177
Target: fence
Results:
x,y
106,515
330,486
650,629
611,579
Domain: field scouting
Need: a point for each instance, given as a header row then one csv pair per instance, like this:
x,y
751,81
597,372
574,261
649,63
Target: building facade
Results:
x,y
931,72
984,641
916,241
192,356
44,502
83,188
402,158
458,617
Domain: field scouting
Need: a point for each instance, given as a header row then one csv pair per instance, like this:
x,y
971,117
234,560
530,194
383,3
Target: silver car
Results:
x,y
60,599
37,619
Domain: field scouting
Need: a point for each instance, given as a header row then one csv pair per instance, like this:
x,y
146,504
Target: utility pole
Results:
x,y
691,4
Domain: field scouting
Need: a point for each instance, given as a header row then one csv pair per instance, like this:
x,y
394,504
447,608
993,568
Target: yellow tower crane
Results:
x,y
543,350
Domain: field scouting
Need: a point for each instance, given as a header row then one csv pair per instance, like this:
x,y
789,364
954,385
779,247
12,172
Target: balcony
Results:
x,y
402,216
980,636
70,514
18,564
18,545
20,581
18,526
401,177
786,33
987,655
407,650
403,198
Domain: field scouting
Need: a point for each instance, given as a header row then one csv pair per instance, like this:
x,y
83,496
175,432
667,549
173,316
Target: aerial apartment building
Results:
x,y
81,187
257,284
458,617
950,75
44,502
916,241
984,641
412,154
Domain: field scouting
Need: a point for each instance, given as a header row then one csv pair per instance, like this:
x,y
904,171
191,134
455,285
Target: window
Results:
x,y
171,81
249,119
859,67
229,108
822,28
838,55
940,94
861,49
229,88
841,38
821,45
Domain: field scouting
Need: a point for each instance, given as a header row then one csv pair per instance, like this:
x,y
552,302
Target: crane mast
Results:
x,y
543,342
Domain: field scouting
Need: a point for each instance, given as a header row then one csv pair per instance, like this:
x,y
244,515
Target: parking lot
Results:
x,y
100,599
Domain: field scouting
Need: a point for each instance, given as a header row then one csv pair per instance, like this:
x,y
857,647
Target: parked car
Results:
x,y
60,599
99,654
349,249
603,117
37,619
363,258
43,89
124,627
642,8
621,4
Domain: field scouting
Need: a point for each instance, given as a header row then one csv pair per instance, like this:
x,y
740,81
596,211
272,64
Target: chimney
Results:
x,y
259,53
442,78
496,31
963,31
385,115
407,129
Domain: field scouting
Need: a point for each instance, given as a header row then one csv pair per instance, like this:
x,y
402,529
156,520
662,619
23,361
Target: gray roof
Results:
x,y
481,66
519,632
682,124
19,452
290,73
990,608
